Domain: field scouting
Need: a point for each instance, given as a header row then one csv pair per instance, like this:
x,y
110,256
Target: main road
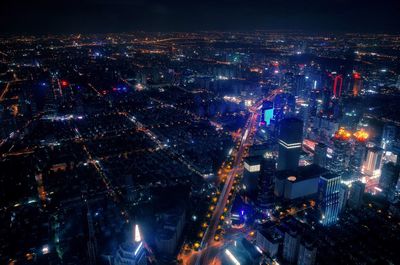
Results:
x,y
206,256
219,208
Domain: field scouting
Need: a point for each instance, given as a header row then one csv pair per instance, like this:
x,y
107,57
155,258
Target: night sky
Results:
x,y
69,16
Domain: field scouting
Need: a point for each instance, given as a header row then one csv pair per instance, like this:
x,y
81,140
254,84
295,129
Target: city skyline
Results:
x,y
44,17
227,132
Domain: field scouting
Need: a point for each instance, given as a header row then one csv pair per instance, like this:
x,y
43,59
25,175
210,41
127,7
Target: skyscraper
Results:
x,y
337,85
132,253
320,153
268,239
341,155
357,83
329,196
267,112
299,88
252,168
291,245
388,136
307,253
290,140
344,192
389,178
358,155
373,161
356,194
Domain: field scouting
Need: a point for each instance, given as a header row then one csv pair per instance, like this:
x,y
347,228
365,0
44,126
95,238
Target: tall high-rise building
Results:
x,y
329,198
251,174
357,84
320,153
307,253
132,253
389,178
344,192
291,243
356,195
373,161
341,155
299,87
388,136
268,240
290,141
337,85
267,112
265,198
358,155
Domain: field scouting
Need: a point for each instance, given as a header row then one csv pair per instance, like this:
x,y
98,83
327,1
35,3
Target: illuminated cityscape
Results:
x,y
181,141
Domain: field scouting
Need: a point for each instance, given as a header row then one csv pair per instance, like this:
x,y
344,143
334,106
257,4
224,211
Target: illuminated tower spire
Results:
x,y
136,235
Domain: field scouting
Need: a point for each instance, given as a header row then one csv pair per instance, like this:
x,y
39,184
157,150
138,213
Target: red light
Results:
x,y
337,86
64,83
356,75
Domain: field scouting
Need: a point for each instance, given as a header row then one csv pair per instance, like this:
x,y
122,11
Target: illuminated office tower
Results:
x,y
373,161
290,140
320,153
357,84
341,153
267,112
356,195
132,253
388,136
329,198
337,85
252,167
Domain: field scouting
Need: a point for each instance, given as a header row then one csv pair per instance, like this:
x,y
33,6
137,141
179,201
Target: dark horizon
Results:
x,y
105,16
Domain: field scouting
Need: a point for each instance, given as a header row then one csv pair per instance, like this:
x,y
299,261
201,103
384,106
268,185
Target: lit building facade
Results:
x,y
132,253
373,162
329,198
